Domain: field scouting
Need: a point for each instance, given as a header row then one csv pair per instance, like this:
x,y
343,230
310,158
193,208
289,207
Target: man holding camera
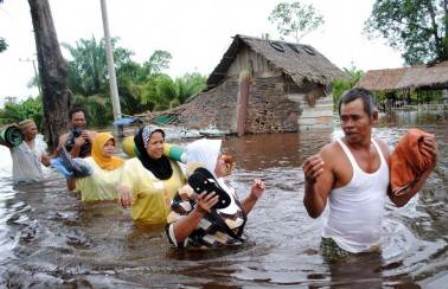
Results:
x,y
78,141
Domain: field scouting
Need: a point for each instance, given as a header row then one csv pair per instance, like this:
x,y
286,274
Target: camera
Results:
x,y
76,132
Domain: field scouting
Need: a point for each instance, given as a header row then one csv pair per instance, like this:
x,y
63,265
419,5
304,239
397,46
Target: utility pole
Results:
x,y
110,64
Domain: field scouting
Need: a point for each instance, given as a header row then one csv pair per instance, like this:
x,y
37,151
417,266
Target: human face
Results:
x,y
356,123
30,131
109,148
155,145
78,120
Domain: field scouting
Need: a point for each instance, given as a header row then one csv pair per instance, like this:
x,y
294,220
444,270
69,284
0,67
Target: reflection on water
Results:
x,y
48,239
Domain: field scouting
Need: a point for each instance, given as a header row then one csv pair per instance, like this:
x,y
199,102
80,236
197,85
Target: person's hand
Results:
x,y
313,168
85,134
205,202
45,160
257,188
125,198
80,140
186,192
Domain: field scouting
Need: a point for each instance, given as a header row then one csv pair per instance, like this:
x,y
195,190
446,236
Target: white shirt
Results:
x,y
26,161
356,210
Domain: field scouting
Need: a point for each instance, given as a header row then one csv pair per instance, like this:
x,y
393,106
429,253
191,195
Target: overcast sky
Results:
x,y
195,32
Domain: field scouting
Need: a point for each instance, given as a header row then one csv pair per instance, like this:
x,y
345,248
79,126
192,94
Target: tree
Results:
x,y
88,73
161,92
353,75
3,44
16,112
189,85
158,61
52,70
295,19
419,28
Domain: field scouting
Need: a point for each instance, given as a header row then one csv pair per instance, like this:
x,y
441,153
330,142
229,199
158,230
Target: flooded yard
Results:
x,y
49,239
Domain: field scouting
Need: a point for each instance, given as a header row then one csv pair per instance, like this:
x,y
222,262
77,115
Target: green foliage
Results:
x,y
295,19
157,62
98,109
353,75
141,87
3,44
419,28
426,96
189,85
88,73
161,92
16,112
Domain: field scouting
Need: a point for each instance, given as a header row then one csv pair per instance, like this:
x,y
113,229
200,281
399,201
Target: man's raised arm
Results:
x,y
319,180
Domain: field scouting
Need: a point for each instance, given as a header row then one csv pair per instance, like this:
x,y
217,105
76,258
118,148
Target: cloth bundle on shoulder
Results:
x,y
11,135
408,161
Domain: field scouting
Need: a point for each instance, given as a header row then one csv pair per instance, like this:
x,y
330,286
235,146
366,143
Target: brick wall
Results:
x,y
270,110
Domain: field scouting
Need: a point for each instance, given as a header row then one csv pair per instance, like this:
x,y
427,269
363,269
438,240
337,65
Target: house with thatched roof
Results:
x,y
286,88
425,77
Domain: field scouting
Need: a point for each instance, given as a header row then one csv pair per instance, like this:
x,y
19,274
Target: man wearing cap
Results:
x,y
28,157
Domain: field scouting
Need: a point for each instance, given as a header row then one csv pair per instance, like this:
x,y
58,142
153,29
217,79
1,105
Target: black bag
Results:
x,y
203,181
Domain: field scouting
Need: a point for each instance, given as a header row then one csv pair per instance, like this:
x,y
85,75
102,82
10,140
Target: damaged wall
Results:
x,y
276,103
269,111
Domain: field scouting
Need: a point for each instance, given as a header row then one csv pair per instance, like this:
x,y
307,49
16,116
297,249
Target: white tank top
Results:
x,y
356,209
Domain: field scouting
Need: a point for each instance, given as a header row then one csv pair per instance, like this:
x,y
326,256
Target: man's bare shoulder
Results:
x,y
384,147
92,133
330,148
330,152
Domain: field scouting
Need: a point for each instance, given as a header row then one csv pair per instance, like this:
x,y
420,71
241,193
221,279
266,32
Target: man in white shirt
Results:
x,y
352,174
28,157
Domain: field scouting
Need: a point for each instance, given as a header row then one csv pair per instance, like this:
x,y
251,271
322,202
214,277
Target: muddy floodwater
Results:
x,y
49,239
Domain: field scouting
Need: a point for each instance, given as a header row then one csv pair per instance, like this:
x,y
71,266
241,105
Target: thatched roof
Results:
x,y
300,62
415,77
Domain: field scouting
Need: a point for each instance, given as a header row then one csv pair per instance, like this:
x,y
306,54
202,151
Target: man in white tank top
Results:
x,y
353,174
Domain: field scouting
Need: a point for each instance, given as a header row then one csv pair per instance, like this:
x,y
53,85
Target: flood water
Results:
x,y
48,239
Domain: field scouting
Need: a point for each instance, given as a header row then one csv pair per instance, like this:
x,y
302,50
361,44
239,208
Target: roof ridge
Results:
x,y
270,40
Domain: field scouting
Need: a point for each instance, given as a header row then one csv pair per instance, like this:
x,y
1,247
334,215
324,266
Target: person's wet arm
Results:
x,y
71,183
45,160
186,225
91,135
256,191
319,180
127,183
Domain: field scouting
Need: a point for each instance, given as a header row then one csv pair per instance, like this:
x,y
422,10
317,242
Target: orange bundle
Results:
x,y
408,161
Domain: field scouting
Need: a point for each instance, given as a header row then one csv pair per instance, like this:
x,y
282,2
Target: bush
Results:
x,y
16,112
